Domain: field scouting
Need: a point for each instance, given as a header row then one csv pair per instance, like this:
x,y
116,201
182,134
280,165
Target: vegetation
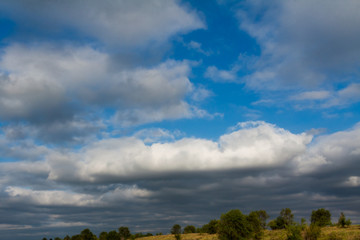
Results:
x,y
321,217
343,222
176,230
189,229
284,220
236,225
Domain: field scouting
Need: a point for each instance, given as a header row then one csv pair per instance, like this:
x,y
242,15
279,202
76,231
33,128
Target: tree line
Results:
x,y
234,225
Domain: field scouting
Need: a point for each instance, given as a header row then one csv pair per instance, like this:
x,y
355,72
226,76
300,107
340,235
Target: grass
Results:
x,y
327,233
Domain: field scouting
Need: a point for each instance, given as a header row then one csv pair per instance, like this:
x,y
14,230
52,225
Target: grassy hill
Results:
x,y
327,233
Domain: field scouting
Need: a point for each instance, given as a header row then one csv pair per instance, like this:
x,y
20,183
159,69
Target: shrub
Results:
x,y
285,219
293,232
189,229
211,227
343,222
176,230
321,217
234,225
312,232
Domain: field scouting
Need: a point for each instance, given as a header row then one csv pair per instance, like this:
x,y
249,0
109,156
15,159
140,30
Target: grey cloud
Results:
x,y
156,199
303,43
121,23
47,85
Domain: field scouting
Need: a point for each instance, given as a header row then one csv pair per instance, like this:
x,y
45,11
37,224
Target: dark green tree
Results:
x,y
255,224
57,238
321,217
233,225
176,230
263,216
343,222
210,227
113,235
189,229
287,216
285,219
293,232
76,237
67,237
124,233
103,236
86,234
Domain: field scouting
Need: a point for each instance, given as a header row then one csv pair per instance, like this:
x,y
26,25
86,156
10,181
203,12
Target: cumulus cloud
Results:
x,y
260,145
252,165
121,23
53,86
303,43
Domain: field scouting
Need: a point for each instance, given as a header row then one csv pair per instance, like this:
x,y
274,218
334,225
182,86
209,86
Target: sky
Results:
x,y
147,114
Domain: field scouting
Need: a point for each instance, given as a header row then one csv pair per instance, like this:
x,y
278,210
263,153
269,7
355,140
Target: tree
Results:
x,y
57,238
321,217
285,219
86,234
103,236
189,229
343,222
255,224
263,216
293,232
176,230
233,225
287,216
124,233
211,227
67,237
113,235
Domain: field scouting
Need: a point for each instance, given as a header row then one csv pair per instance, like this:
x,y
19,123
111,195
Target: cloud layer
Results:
x,y
254,158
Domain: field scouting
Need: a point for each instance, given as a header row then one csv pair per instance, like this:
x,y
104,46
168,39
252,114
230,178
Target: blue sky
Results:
x,y
151,113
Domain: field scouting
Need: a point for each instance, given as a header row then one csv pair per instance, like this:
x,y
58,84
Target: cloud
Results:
x,y
328,99
262,145
252,166
121,23
56,86
217,75
303,43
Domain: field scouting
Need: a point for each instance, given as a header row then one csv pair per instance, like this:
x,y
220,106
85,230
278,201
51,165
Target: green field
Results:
x,y
327,233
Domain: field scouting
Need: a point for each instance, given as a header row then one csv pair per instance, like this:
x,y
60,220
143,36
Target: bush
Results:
x,y
293,232
312,232
234,225
176,230
189,229
321,217
343,222
285,219
211,227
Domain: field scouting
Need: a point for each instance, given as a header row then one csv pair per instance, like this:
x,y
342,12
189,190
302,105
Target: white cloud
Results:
x,y
44,84
334,150
303,43
217,75
69,198
312,95
353,181
118,23
263,145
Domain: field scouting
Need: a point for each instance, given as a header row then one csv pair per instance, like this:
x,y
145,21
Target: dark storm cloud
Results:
x,y
316,176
